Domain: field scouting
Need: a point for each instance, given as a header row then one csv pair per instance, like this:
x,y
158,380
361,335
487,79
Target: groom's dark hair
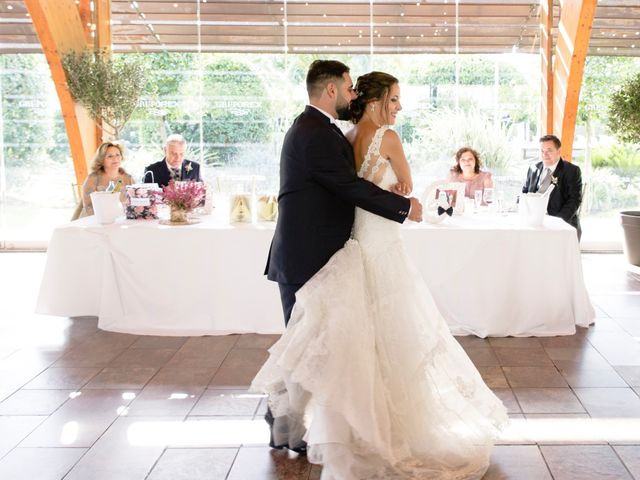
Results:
x,y
322,72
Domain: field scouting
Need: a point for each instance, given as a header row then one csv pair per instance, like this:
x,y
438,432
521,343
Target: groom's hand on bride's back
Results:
x,y
415,210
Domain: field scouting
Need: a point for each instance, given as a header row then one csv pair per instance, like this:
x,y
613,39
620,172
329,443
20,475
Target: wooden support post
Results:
x,y
103,24
546,66
60,30
102,41
86,17
574,32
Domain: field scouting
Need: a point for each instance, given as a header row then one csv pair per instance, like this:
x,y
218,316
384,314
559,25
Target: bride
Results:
x,y
367,371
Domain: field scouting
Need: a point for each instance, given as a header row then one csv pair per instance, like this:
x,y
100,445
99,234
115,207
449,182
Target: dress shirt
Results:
x,y
544,173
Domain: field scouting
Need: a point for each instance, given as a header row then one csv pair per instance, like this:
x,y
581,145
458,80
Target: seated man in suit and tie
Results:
x,y
173,166
566,197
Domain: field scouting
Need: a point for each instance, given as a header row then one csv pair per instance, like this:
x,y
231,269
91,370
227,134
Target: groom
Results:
x,y
319,190
319,186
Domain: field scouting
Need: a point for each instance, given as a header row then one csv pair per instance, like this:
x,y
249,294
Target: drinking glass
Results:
x,y
477,199
488,196
500,201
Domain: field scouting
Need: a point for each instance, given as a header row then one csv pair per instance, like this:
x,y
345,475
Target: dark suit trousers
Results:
x,y
288,298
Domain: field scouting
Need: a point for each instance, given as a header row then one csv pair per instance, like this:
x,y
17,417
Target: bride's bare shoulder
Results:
x,y
361,134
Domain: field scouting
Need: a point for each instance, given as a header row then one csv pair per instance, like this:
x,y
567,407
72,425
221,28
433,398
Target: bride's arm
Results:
x,y
391,149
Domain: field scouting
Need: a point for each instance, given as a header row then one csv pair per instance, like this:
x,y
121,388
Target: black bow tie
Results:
x,y
448,211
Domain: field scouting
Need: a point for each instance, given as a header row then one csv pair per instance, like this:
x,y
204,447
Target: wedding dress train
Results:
x,y
367,372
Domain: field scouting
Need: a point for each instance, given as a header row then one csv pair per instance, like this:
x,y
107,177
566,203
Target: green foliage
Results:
x,y
220,96
600,74
29,123
624,160
624,111
474,70
609,191
108,87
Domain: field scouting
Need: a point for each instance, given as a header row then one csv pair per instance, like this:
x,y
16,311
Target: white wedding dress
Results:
x,y
367,371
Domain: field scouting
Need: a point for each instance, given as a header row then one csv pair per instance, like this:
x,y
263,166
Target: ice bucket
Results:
x,y
106,206
533,206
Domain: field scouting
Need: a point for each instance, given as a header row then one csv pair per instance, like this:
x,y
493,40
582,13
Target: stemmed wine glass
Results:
x,y
488,196
500,201
477,200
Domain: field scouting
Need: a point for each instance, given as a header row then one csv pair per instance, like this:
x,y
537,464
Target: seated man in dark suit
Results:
x,y
173,166
566,197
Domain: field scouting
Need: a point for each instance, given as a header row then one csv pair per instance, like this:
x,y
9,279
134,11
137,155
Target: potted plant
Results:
x,y
624,122
108,87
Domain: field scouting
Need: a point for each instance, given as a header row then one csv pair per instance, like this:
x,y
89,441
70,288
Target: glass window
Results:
x,y
234,109
37,180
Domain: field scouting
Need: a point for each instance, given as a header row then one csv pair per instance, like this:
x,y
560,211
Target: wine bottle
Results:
x,y
118,187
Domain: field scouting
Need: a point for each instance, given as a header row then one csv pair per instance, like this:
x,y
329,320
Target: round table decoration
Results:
x,y
431,204
182,198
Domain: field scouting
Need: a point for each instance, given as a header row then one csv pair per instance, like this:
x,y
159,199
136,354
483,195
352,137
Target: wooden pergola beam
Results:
x,y
60,30
574,32
103,24
546,65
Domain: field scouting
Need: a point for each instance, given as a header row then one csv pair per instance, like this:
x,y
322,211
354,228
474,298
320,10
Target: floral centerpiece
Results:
x,y
182,198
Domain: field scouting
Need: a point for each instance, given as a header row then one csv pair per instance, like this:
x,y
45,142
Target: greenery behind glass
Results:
x,y
234,110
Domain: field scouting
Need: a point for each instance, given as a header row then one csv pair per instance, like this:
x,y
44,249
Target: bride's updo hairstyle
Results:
x,y
370,87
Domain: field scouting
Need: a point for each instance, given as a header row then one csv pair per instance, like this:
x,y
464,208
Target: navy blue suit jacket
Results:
x,y
190,170
566,197
319,190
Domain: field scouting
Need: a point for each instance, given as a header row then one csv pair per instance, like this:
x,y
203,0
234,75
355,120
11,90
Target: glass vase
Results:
x,y
178,215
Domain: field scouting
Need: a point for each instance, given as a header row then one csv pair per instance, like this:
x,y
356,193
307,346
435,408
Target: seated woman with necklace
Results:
x,y
467,170
106,168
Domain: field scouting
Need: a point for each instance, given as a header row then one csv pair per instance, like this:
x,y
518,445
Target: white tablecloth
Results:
x,y
488,275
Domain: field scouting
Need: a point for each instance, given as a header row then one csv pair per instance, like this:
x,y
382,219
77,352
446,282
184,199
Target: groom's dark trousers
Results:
x,y
288,298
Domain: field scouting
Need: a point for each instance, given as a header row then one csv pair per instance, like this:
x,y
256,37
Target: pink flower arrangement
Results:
x,y
184,195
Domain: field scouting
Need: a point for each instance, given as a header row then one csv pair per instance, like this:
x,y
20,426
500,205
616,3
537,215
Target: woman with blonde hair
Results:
x,y
106,168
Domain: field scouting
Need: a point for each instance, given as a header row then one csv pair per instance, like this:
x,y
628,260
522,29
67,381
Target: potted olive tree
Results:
x,y
624,122
107,86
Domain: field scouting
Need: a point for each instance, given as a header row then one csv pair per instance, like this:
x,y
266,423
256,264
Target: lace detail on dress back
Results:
x,y
376,233
375,168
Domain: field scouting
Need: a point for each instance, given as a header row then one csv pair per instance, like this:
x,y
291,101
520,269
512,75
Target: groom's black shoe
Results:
x,y
300,449
268,417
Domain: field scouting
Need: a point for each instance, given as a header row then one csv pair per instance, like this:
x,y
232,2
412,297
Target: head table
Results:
x,y
488,274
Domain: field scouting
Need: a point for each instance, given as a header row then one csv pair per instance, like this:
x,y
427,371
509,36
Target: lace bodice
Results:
x,y
375,168
370,229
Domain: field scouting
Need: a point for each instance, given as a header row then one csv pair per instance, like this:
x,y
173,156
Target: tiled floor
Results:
x,y
79,403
